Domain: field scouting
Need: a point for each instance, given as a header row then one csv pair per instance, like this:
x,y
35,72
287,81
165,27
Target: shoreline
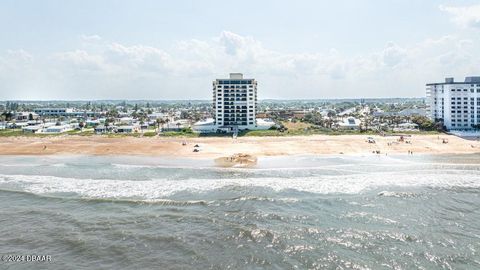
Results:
x,y
215,147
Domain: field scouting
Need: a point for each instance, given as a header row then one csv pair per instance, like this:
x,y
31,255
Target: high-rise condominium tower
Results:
x,y
457,104
235,102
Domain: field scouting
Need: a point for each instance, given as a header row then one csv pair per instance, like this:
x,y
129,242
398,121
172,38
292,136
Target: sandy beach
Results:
x,y
214,147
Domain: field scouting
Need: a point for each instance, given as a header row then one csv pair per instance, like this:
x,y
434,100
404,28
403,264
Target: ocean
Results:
x,y
297,212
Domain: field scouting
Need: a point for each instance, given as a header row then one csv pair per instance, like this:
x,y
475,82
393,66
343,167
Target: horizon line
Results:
x,y
206,100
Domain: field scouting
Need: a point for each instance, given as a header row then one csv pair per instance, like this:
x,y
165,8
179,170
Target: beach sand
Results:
x,y
215,147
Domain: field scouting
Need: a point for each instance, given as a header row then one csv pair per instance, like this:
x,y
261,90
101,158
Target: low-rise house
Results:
x,y
32,129
124,114
406,112
100,129
264,123
57,129
205,126
126,121
54,111
262,115
128,129
209,126
327,112
34,122
406,127
14,125
157,115
349,123
144,126
92,123
347,111
413,112
25,116
176,125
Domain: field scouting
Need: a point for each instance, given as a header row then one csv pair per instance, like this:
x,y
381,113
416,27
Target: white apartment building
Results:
x,y
53,111
457,104
235,102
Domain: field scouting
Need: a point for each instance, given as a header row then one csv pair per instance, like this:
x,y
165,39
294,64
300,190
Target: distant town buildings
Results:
x,y
233,107
456,104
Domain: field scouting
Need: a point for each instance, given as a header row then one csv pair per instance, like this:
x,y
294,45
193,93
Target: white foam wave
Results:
x,y
138,166
20,165
59,165
162,188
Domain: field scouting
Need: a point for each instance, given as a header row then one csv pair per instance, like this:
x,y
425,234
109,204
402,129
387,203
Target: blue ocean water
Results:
x,y
298,212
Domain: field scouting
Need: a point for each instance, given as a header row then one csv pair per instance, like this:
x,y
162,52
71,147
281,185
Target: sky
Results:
x,y
304,49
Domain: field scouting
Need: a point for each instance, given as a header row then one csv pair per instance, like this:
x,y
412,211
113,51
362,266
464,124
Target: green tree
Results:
x,y
424,123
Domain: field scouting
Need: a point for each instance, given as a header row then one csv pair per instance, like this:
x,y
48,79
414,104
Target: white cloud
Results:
x,y
464,16
90,37
80,59
105,69
393,55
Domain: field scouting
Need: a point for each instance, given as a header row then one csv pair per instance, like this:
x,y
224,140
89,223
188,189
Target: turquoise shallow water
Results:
x,y
302,212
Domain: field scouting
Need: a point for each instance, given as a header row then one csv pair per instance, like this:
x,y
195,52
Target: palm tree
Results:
x,y
159,122
366,121
178,124
166,121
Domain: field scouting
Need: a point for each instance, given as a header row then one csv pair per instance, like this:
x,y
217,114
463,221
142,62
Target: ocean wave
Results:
x,y
20,165
163,188
156,166
346,168
397,194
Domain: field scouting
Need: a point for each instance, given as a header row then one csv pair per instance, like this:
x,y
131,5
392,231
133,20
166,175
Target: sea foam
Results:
x,y
163,188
